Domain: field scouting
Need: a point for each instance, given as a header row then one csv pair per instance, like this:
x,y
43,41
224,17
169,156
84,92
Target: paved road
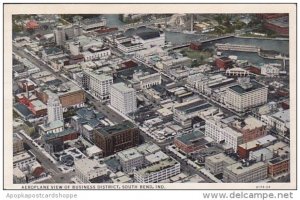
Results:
x,y
108,112
57,175
189,169
60,178
20,51
44,160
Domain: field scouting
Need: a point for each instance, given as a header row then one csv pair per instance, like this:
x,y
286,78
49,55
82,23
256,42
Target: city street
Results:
x,y
44,160
20,51
188,168
171,80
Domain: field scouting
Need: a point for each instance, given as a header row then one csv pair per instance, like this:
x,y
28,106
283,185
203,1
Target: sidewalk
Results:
x,y
39,147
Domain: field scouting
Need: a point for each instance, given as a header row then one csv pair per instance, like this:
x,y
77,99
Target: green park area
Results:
x,y
198,57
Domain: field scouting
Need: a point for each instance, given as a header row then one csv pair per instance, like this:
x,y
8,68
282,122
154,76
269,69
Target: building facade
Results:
x,y
54,109
246,95
147,80
87,169
216,163
24,160
222,133
123,98
191,142
95,53
278,166
162,170
99,84
70,95
116,138
18,145
251,128
52,127
184,112
239,173
59,35
130,160
280,121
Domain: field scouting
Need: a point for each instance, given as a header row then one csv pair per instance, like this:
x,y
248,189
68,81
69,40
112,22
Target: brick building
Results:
x,y
70,95
278,166
38,108
251,128
54,142
26,85
243,150
116,138
191,142
223,62
278,25
196,45
280,163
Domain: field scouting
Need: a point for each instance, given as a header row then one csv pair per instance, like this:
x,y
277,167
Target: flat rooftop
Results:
x,y
283,116
239,89
116,128
97,49
156,157
280,148
39,105
22,156
52,125
191,138
266,153
129,44
148,35
157,167
101,76
148,148
65,132
22,109
63,88
122,87
90,168
193,106
129,154
221,157
238,169
278,160
261,141
250,123
93,149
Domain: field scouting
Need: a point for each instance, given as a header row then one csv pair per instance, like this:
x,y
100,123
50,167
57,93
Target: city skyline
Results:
x,y
152,98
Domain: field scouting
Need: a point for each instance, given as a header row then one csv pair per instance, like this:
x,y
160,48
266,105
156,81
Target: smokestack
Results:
x,y
192,23
27,92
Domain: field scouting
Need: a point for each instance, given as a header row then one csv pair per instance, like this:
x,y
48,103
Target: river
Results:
x,y
281,46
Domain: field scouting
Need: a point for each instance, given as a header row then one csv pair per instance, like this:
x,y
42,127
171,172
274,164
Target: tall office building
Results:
x,y
59,35
112,139
98,84
55,110
246,95
123,98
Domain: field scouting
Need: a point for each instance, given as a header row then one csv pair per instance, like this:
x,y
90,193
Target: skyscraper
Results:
x,y
59,35
123,98
54,107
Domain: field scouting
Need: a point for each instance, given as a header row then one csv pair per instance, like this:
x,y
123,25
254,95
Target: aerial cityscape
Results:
x,y
151,98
